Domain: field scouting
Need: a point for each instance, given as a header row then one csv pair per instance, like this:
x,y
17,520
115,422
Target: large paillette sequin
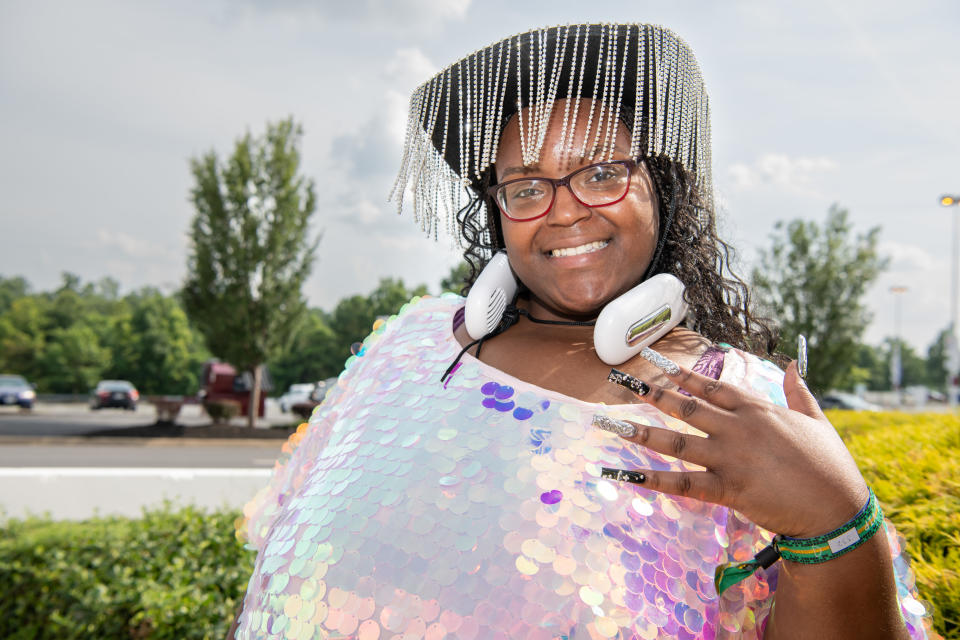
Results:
x,y
475,509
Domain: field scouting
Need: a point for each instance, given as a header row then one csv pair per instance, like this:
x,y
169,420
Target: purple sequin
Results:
x,y
551,497
503,392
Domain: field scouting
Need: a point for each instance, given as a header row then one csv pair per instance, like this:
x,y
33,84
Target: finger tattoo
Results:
x,y
687,408
712,387
684,484
679,444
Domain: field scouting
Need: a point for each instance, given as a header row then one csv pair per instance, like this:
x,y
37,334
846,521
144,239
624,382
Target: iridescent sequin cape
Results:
x,y
475,509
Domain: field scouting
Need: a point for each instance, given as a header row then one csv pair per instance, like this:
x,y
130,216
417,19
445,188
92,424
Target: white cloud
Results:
x,y
129,245
365,212
394,14
907,257
780,170
409,67
397,108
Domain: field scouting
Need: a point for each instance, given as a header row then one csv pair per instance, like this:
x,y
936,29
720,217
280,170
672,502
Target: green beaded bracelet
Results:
x,y
806,550
836,543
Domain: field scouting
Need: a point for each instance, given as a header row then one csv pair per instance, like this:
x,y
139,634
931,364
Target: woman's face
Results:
x,y
620,237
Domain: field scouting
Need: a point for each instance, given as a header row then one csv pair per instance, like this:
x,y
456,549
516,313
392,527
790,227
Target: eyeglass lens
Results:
x,y
594,186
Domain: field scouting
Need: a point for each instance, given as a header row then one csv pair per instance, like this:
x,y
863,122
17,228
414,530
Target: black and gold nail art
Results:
x,y
636,385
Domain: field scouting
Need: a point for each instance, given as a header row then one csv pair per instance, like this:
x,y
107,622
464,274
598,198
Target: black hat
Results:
x,y
643,75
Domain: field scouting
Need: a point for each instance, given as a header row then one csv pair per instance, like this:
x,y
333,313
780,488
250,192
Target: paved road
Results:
x,y
140,453
78,419
45,468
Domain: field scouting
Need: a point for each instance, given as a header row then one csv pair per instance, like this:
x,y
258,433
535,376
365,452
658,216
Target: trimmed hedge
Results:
x,y
180,574
221,411
172,574
912,461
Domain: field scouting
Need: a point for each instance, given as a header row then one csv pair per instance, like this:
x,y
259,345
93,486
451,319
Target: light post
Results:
x,y
953,353
896,362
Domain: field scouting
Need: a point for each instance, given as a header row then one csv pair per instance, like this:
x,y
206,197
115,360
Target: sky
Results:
x,y
103,104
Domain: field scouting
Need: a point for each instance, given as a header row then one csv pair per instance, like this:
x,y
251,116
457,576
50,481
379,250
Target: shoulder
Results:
x,y
422,309
422,317
683,346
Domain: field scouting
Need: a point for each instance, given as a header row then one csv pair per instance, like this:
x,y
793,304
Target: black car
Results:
x,y
15,390
114,393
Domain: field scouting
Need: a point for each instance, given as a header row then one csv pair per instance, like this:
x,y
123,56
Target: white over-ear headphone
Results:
x,y
627,324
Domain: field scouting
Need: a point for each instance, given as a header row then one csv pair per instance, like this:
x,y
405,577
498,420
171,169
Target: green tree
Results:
x,y
156,348
456,279
812,280
315,353
23,337
323,344
913,368
73,359
12,289
936,364
353,318
867,369
250,251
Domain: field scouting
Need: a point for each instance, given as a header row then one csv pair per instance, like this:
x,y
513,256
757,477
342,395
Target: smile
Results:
x,y
590,247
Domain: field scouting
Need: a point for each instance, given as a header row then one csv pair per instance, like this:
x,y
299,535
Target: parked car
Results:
x,y
849,401
114,393
297,393
306,407
15,389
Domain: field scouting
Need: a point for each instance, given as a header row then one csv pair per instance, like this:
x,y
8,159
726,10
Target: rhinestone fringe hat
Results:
x,y
642,75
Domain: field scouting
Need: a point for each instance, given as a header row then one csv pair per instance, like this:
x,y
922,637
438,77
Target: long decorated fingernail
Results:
x,y
660,361
619,427
802,356
636,385
622,475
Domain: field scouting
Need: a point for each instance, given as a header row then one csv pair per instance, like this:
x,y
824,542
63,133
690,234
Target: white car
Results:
x,y
839,400
299,392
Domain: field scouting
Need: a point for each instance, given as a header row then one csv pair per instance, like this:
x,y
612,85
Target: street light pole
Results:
x,y
953,353
896,362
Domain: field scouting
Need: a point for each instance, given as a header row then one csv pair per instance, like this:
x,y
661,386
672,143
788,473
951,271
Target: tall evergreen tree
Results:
x,y
812,281
250,249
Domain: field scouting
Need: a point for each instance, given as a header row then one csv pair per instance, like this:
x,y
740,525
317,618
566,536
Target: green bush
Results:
x,y
912,461
222,410
171,574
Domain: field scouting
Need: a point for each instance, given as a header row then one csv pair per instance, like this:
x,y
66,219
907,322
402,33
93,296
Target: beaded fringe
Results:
x,y
470,100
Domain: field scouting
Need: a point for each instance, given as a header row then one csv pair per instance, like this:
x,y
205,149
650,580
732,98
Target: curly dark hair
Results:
x,y
689,248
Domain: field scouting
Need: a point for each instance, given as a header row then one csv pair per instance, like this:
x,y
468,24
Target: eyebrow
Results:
x,y
535,168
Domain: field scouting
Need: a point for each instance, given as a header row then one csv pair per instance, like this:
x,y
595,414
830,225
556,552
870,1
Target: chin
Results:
x,y
586,304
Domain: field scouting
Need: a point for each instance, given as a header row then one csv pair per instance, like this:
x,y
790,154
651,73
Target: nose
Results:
x,y
566,210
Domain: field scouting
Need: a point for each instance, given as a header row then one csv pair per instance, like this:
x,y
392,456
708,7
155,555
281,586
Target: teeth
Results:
x,y
590,247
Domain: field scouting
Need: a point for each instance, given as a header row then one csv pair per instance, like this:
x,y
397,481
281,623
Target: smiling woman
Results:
x,y
582,244
444,492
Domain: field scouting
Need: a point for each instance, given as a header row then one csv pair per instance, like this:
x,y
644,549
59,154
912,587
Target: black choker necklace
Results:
x,y
523,312
511,316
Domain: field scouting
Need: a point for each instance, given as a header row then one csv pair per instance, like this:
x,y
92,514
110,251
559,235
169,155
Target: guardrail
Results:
x,y
63,398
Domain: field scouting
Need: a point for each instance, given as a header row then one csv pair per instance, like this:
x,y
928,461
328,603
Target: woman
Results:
x,y
444,491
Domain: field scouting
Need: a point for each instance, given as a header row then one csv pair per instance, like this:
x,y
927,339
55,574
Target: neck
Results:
x,y
537,310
